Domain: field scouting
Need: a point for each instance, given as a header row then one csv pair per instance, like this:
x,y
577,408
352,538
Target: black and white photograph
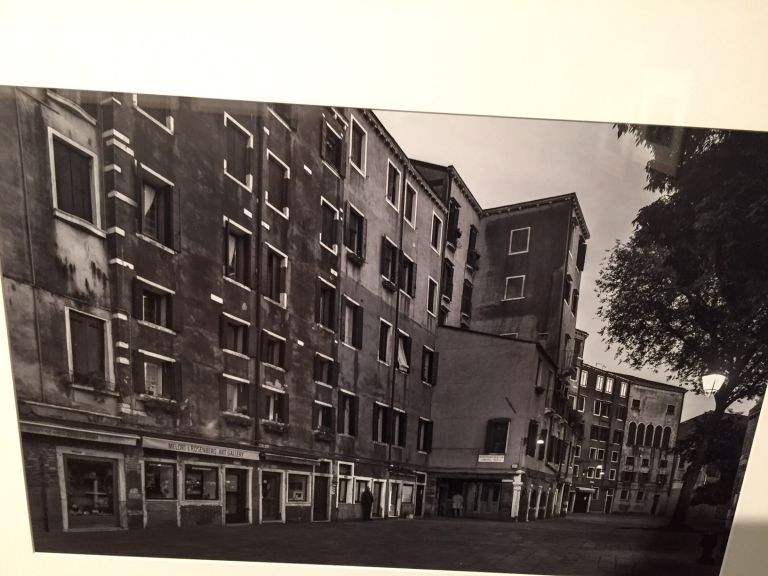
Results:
x,y
333,335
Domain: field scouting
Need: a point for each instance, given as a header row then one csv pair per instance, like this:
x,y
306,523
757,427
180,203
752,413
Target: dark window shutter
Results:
x,y
435,358
286,407
222,331
383,266
175,211
348,226
363,236
138,372
138,291
374,421
139,187
253,342
323,137
581,255
428,436
63,171
412,287
222,393
283,273
318,297
178,392
285,355
343,161
334,373
357,328
176,303
353,419
318,368
264,340
340,412
489,427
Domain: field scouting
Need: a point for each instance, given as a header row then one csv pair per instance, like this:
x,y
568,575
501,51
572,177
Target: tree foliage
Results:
x,y
688,290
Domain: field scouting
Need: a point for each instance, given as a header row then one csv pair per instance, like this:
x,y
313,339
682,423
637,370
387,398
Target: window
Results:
x,y
385,335
155,210
155,108
661,479
583,379
590,472
325,310
234,395
388,259
636,404
358,146
580,402
424,435
277,180
602,409
237,253
473,256
201,482
159,480
380,423
409,206
621,412
663,463
400,427
567,289
75,181
592,453
624,495
360,486
496,436
393,185
670,409
407,497
331,150
600,453
627,476
355,232
275,273
630,461
437,232
432,297
234,334
452,231
328,231
666,437
403,351
614,456
344,487
514,288
609,385
428,366
273,349
325,370
275,406
575,471
237,163
155,306
640,496
155,377
599,384
407,275
644,463
599,433
623,390
575,302
297,488
532,437
581,254
519,240
87,349
347,414
618,436
577,451
466,299
447,281
352,324
322,416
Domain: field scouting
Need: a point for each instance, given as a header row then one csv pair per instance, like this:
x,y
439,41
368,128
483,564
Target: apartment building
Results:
x,y
227,313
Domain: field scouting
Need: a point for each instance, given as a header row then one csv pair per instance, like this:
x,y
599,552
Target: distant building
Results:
x,y
749,437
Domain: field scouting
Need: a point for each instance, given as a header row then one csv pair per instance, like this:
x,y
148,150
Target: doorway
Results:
x,y
91,492
271,496
608,501
655,504
581,502
419,511
320,499
394,499
235,496
378,490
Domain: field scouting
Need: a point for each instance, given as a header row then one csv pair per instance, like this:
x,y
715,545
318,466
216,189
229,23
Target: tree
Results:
x,y
687,291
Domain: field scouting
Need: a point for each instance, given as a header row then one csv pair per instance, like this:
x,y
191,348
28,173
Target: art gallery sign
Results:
x,y
199,449
490,458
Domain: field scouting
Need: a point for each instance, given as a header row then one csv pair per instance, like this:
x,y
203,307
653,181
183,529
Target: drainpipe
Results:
x,y
256,289
33,275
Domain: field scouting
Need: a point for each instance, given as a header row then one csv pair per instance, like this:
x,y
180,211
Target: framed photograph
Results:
x,y
530,321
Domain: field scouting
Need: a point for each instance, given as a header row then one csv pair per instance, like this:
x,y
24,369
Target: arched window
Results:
x,y
631,433
640,434
657,437
666,438
648,435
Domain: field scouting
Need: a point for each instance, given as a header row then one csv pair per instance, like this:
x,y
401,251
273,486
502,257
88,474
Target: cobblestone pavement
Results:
x,y
580,544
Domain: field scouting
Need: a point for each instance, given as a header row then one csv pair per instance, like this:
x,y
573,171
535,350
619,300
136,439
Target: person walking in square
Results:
x,y
366,499
457,503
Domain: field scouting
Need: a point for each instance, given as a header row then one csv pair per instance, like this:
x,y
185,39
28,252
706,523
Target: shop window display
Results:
x,y
201,483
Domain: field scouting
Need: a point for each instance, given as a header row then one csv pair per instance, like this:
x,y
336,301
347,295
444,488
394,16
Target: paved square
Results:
x,y
580,544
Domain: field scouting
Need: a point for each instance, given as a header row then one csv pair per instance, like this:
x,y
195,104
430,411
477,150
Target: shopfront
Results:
x,y
190,484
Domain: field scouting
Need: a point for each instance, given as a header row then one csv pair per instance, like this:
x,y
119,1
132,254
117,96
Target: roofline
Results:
x,y
637,380
400,154
570,197
582,333
457,179
538,345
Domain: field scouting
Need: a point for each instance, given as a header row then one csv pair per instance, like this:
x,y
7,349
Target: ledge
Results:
x,y
356,259
388,284
272,426
323,435
159,403
237,418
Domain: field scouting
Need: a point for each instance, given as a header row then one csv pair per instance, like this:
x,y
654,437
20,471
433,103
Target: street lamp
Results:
x,y
711,383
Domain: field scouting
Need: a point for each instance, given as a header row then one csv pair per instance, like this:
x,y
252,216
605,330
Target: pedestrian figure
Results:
x,y
457,503
366,499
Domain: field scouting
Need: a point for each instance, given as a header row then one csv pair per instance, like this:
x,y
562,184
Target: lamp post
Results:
x,y
712,382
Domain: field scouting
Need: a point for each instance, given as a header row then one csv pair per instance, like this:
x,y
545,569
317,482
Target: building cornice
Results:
x,y
570,197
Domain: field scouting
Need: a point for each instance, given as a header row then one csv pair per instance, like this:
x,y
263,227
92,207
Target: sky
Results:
x,y
507,160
